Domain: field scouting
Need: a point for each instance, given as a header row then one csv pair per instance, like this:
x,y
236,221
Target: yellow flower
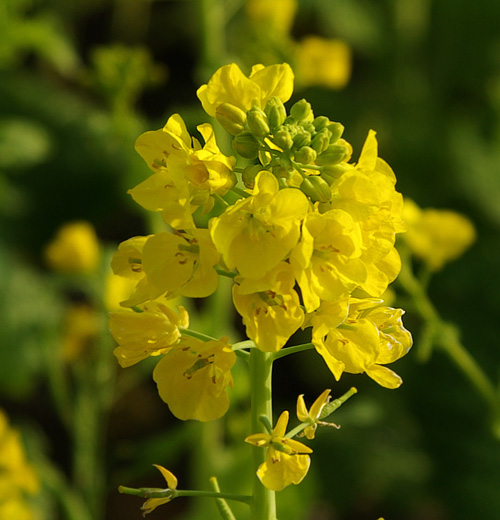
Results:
x,y
327,261
367,192
193,377
75,249
186,174
323,62
270,308
151,332
152,503
127,263
17,477
181,264
313,415
276,16
367,339
118,289
286,462
436,236
257,233
230,85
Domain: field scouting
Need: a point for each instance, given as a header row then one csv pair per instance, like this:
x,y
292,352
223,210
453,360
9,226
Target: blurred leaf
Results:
x,y
23,142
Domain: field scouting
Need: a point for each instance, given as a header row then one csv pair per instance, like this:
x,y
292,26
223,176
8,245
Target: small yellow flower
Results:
x,y
436,236
286,462
152,503
270,308
313,415
370,337
186,173
323,62
230,85
257,233
193,377
151,332
75,249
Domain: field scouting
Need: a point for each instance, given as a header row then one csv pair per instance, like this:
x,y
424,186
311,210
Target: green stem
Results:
x,y
175,493
292,350
446,337
261,364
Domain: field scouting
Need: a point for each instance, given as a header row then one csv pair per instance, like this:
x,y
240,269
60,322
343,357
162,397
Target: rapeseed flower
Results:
x,y
436,236
287,460
75,249
193,378
230,86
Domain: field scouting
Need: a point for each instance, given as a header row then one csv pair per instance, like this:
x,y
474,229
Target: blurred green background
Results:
x,y
80,80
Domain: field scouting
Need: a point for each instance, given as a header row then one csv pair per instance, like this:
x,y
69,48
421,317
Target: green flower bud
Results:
x,y
283,139
320,122
257,122
249,174
316,188
302,111
337,129
276,113
321,140
301,138
305,155
246,145
309,127
334,154
231,118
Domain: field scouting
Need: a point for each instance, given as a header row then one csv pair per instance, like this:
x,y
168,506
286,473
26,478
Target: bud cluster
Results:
x,y
301,150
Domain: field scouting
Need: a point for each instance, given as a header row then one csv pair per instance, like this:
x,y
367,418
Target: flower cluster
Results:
x,y
306,234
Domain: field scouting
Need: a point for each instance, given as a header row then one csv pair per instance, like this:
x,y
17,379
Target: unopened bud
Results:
x,y
334,154
231,118
316,188
305,155
321,140
283,139
320,122
302,111
257,122
301,138
337,129
249,174
276,113
246,145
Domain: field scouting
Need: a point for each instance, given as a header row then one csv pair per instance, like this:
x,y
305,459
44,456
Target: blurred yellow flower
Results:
x,y
286,462
436,236
75,249
275,16
323,62
118,289
17,477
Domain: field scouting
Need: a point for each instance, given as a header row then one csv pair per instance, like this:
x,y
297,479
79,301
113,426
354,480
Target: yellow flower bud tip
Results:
x,y
276,113
231,118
